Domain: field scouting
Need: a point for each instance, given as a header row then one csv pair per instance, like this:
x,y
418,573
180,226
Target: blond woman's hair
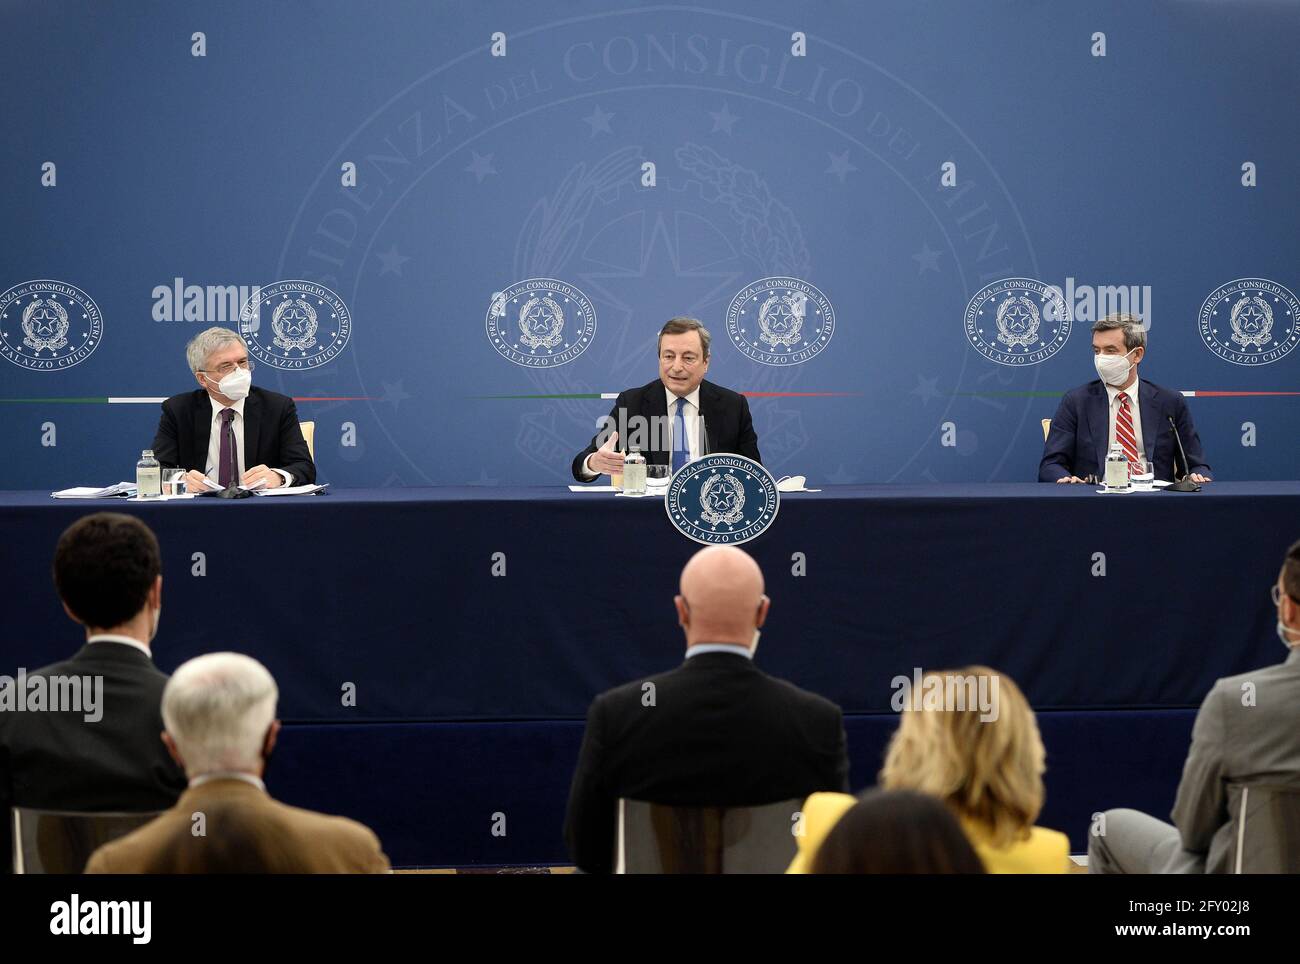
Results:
x,y
989,771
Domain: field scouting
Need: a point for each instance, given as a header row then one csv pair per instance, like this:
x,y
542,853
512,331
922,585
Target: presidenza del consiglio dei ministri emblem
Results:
x,y
780,321
1018,321
1250,321
292,325
722,499
541,322
48,326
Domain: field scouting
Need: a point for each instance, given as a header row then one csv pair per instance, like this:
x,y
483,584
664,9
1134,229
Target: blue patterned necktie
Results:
x,y
681,451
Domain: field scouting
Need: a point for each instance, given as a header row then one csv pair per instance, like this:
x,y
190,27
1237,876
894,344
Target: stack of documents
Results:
x,y
91,492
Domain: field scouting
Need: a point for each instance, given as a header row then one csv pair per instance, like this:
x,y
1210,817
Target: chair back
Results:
x,y
1266,838
654,838
61,841
309,436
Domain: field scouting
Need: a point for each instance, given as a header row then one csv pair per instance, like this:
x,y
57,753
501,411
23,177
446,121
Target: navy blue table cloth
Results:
x,y
393,591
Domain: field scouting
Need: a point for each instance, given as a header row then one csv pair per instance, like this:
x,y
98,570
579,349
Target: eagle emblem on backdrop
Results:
x,y
780,319
294,324
1252,321
45,325
1018,321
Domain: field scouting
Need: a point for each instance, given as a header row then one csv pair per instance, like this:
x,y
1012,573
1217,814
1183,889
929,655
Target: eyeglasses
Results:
x,y
247,364
1277,596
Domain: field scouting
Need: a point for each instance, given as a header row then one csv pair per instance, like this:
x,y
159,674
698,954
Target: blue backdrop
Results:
x,y
1101,145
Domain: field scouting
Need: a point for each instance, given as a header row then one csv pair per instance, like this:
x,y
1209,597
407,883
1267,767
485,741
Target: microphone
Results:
x,y
1185,484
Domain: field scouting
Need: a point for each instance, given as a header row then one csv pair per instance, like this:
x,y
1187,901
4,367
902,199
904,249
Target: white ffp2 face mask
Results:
x,y
236,385
1113,369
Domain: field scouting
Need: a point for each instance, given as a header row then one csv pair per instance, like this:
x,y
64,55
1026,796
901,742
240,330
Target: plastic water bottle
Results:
x,y
634,473
148,476
1117,469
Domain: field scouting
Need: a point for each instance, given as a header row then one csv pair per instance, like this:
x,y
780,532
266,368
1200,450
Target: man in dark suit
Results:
x,y
228,431
677,417
715,731
106,754
1120,408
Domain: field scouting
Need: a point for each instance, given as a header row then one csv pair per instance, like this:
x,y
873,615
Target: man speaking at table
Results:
x,y
1120,408
677,417
228,430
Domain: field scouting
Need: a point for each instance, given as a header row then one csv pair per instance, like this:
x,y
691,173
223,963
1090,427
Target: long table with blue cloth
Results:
x,y
436,648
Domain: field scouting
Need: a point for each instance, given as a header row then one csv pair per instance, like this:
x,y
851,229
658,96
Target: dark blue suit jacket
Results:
x,y
1076,444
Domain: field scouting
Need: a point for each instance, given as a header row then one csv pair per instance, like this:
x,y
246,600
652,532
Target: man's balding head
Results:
x,y
721,597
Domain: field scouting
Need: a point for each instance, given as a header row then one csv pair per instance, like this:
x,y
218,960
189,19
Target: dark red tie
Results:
x,y
1124,429
229,457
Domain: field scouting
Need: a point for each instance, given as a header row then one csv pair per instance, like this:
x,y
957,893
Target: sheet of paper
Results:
x,y
290,490
592,488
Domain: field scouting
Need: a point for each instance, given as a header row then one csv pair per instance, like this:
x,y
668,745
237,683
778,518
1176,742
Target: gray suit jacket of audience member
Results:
x,y
1235,742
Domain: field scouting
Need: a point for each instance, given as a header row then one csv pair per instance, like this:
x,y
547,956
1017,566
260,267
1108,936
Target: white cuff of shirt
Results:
x,y
288,479
587,473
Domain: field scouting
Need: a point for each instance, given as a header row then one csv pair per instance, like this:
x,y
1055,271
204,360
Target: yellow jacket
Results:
x,y
1045,852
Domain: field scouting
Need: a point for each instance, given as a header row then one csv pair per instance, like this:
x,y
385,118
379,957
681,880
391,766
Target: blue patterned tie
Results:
x,y
681,452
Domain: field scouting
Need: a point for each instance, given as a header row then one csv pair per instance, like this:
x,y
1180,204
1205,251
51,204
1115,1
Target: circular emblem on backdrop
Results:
x,y
293,325
1018,321
722,500
48,325
780,321
541,322
1250,321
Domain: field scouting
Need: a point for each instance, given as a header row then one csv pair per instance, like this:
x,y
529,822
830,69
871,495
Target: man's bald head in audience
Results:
x,y
721,597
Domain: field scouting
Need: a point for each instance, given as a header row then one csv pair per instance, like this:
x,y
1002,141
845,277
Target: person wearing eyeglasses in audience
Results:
x,y
1245,738
229,431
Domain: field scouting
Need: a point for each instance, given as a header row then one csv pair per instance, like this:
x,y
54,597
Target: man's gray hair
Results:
x,y
1135,335
206,342
680,326
217,708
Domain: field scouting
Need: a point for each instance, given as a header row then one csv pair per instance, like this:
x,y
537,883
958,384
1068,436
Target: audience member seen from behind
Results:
x,y
219,713
986,763
897,832
94,746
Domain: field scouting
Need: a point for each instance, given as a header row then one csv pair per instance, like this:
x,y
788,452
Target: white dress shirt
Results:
x,y
1132,392
213,469
690,415
124,640
203,778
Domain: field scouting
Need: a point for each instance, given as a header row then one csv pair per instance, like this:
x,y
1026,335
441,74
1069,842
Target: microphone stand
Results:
x,y
1185,484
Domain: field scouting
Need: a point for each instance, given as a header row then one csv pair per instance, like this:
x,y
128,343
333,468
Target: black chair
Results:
x,y
1266,838
61,841
654,838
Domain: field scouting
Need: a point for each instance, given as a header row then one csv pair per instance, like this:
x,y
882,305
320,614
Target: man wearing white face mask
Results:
x,y
1245,736
715,731
1120,408
229,431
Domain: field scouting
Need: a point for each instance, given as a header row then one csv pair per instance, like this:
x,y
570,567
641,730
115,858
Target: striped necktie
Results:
x,y
1124,429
